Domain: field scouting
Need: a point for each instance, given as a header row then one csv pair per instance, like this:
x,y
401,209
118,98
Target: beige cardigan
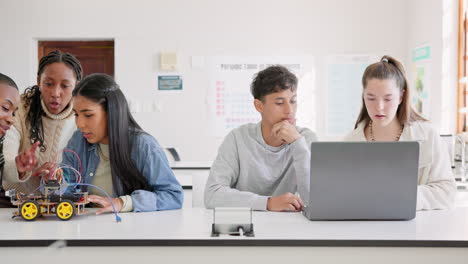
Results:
x,y
57,131
436,184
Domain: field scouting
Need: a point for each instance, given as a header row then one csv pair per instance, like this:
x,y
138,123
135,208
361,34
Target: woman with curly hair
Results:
x,y
44,122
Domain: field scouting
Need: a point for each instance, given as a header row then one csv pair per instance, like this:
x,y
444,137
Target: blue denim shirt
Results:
x,y
166,192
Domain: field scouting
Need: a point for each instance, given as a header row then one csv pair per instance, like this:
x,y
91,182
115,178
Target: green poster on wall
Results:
x,y
421,79
170,83
421,53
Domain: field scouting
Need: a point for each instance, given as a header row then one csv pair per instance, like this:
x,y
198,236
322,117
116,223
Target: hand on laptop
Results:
x,y
285,202
285,131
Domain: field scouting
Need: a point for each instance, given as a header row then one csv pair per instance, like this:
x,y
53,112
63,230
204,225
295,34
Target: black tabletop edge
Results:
x,y
233,243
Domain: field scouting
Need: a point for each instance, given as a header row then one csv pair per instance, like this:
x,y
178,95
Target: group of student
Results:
x,y
90,117
264,166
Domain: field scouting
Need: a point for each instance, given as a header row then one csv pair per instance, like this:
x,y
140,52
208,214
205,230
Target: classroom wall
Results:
x,y
143,29
435,23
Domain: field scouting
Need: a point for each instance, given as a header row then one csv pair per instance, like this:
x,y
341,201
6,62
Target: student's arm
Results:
x,y
11,149
166,192
224,173
18,166
438,192
300,150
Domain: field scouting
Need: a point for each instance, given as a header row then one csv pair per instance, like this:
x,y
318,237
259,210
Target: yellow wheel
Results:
x,y
30,210
65,210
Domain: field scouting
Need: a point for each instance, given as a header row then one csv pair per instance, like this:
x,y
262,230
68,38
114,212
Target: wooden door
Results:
x,y
94,56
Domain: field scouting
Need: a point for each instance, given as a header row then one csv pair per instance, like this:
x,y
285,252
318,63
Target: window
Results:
x,y
462,67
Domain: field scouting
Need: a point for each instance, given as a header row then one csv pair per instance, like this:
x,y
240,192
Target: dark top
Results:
x,y
4,201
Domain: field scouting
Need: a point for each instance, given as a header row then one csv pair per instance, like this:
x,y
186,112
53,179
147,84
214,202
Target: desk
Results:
x,y
188,175
184,236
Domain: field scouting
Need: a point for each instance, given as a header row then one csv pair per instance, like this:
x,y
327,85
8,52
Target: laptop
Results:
x,y
363,181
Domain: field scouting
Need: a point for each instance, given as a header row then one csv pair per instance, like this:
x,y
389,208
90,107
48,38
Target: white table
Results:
x,y
182,236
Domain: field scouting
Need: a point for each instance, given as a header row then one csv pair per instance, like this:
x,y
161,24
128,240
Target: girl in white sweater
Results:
x,y
44,122
387,115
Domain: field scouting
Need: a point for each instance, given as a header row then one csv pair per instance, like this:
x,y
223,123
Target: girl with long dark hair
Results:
x,y
116,154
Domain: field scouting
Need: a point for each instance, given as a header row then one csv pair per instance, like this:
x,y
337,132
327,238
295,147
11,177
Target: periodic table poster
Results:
x,y
230,103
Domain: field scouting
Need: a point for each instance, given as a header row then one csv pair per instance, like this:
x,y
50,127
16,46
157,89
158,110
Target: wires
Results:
x,y
58,174
80,169
117,217
62,166
65,184
18,196
57,171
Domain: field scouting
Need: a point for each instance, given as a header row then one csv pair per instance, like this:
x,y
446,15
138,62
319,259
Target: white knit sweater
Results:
x,y
57,131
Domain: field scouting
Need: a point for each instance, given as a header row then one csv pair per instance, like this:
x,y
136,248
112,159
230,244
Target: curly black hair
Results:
x,y
32,95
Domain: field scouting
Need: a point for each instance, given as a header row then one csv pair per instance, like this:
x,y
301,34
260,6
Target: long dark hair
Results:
x,y
122,129
32,95
389,68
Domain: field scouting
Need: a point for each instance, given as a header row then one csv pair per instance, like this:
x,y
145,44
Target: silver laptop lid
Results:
x,y
363,180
